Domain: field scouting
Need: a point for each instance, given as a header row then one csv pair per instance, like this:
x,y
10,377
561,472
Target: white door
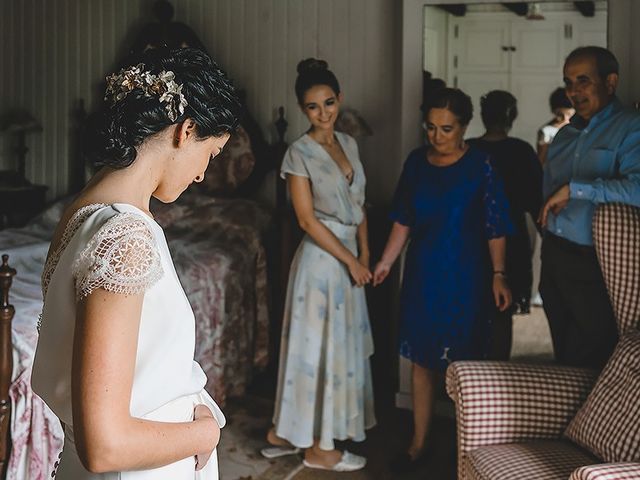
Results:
x,y
480,59
537,58
589,31
532,92
479,45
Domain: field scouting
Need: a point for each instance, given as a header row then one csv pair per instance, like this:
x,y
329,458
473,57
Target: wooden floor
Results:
x,y
240,459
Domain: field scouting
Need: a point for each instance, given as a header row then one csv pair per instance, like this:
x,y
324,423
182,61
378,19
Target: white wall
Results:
x,y
53,53
624,41
56,51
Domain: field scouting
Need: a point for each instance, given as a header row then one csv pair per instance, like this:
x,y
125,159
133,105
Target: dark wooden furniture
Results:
x,y
19,200
6,362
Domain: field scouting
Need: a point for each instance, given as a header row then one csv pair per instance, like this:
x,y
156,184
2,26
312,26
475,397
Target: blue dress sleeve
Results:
x,y
496,206
402,208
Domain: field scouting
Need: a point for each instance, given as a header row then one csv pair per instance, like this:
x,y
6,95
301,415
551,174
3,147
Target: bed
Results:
x,y
218,239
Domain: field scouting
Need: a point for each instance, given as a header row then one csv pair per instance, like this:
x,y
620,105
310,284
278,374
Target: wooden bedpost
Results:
x,y
6,361
280,149
284,249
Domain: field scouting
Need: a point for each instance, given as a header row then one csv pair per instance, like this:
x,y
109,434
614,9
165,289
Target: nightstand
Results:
x,y
18,204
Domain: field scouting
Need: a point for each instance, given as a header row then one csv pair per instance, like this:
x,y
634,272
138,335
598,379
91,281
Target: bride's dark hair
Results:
x,y
113,134
312,72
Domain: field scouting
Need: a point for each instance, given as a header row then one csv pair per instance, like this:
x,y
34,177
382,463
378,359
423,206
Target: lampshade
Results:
x,y
19,121
534,11
351,122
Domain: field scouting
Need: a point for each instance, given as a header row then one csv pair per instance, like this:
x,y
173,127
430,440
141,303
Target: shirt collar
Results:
x,y
613,107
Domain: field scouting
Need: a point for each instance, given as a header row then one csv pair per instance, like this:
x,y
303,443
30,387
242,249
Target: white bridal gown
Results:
x,y
119,248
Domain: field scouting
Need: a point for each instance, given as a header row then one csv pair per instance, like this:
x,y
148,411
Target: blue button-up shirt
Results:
x,y
600,160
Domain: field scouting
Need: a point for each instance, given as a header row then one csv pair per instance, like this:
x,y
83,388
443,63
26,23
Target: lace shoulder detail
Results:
x,y
77,219
496,206
122,257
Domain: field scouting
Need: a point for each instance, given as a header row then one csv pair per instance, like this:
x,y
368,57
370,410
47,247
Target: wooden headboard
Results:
x,y
268,156
6,361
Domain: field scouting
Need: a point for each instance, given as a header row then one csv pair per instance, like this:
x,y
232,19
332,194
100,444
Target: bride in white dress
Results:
x,y
115,357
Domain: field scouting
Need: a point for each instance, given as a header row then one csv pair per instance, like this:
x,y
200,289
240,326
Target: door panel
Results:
x,y
479,46
539,45
532,92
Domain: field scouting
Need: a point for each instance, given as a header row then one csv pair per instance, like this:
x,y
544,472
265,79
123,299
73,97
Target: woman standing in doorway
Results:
x,y
451,207
324,383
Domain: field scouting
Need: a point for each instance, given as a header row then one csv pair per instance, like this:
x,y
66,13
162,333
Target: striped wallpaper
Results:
x,y
55,52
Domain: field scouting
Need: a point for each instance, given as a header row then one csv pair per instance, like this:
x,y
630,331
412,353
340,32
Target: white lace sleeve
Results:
x,y
122,257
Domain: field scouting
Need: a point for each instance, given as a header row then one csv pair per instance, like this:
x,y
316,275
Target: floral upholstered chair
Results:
x,y
519,422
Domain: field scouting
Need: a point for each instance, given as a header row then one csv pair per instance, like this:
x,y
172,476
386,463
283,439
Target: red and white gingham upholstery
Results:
x,y
608,471
616,236
510,417
500,402
608,424
540,460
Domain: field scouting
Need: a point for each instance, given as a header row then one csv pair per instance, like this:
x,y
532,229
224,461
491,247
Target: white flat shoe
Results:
x,y
275,452
536,300
349,462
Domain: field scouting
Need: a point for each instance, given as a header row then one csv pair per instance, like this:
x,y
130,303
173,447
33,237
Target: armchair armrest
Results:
x,y
608,471
500,402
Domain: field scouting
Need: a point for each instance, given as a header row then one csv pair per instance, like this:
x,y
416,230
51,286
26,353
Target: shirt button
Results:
x,y
577,155
579,193
558,230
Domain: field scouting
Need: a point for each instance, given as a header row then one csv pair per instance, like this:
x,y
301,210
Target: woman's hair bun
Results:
x,y
311,65
311,72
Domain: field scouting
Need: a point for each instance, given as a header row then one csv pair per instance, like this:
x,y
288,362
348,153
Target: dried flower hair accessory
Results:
x,y
162,85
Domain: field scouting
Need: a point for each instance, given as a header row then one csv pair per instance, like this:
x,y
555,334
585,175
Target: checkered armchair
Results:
x,y
511,418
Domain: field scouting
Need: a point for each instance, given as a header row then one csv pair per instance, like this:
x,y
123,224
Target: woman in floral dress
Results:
x,y
324,382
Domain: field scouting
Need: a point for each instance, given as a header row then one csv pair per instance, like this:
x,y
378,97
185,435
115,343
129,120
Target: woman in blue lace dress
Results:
x,y
453,211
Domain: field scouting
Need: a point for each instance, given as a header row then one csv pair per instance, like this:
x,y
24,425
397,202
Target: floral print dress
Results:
x,y
324,382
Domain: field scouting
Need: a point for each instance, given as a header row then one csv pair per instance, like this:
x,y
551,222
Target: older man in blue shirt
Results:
x,y
594,159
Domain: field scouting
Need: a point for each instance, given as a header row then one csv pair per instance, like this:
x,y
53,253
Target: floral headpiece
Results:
x,y
163,85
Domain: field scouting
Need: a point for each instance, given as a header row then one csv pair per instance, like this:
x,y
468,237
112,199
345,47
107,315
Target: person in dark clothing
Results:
x,y
517,163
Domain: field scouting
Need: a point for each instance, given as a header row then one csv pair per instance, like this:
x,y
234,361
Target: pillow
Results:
x,y
231,167
608,424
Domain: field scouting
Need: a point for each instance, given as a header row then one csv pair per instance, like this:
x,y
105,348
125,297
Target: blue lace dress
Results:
x,y
446,297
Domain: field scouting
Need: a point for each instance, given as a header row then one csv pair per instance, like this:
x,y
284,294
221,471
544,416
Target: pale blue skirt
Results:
x,y
324,381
